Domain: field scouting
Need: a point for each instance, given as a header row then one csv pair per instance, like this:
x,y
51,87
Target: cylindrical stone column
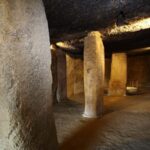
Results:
x,y
118,78
93,75
26,120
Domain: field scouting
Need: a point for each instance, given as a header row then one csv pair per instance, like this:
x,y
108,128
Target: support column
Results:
x,y
118,78
54,73
93,75
26,120
75,85
78,80
70,71
61,75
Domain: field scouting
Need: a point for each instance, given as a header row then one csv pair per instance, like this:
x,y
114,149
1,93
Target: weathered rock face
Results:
x,y
61,75
94,72
139,71
118,78
72,18
26,120
83,14
75,84
54,74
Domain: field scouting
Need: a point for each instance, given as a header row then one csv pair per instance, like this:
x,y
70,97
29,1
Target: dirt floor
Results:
x,y
124,126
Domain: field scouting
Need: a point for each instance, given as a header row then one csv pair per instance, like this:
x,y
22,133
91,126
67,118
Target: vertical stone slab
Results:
x,y
118,79
78,80
93,75
70,71
54,73
26,120
61,75
75,84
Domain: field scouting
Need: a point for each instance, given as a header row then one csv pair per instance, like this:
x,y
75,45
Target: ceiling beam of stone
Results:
x,y
115,19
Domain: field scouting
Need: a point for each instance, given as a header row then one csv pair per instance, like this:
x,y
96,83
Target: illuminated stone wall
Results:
x,y
138,74
75,84
75,88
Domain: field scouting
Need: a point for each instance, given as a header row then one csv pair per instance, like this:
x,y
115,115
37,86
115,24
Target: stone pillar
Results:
x,y
70,71
61,75
93,75
78,79
54,73
75,84
26,120
118,78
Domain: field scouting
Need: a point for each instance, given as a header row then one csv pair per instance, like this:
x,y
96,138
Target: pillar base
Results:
x,y
86,115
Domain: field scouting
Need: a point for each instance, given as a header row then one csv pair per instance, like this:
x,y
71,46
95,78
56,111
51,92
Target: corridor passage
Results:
x,y
125,125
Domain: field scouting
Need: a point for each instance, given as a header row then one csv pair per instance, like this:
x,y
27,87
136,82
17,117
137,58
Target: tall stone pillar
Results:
x,y
26,120
78,80
118,78
93,75
70,72
61,75
54,73
75,85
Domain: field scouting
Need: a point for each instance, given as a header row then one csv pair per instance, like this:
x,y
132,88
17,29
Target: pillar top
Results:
x,y
94,33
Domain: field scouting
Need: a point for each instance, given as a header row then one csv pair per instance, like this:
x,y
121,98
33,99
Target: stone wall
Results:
x,y
139,70
138,73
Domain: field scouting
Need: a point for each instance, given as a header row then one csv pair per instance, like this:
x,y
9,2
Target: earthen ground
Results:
x,y
124,126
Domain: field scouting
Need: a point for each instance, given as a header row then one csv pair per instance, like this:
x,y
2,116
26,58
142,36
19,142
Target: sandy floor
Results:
x,y
125,125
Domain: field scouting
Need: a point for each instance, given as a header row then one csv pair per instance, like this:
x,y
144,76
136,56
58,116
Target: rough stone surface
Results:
x,y
26,121
75,84
61,75
54,74
70,72
94,70
118,78
72,19
76,14
139,71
